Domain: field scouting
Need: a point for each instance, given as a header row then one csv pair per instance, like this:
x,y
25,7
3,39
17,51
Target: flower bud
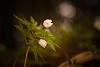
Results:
x,y
43,43
47,23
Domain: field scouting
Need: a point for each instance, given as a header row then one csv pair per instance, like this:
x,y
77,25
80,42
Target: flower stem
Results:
x,y
18,56
26,52
26,56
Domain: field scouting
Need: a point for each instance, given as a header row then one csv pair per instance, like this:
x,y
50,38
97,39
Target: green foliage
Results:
x,y
33,33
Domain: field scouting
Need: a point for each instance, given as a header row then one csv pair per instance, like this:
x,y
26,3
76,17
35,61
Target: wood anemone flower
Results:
x,y
43,43
47,23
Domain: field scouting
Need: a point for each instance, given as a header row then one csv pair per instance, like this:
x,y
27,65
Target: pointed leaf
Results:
x,y
20,29
32,20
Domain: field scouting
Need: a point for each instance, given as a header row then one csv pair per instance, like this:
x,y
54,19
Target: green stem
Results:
x,y
26,56
18,56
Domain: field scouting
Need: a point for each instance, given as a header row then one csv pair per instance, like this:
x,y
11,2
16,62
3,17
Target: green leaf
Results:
x,y
27,23
38,33
29,35
20,29
50,43
32,20
37,52
40,27
18,18
34,23
24,22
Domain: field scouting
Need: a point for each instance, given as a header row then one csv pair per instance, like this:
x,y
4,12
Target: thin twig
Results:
x,y
33,35
81,58
26,43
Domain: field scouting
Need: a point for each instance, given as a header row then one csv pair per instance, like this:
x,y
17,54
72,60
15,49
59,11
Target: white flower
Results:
x,y
47,23
43,43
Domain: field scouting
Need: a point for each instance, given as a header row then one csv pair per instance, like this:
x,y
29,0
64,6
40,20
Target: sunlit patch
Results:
x,y
67,10
97,23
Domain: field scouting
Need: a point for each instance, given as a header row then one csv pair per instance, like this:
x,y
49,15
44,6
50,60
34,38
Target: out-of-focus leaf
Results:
x,y
34,23
32,20
27,23
51,44
20,29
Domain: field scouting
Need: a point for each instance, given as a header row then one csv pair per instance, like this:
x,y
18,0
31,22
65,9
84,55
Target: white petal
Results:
x,y
43,43
47,23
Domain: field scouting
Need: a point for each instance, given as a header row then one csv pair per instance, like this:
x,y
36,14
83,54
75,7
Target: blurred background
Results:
x,y
76,23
